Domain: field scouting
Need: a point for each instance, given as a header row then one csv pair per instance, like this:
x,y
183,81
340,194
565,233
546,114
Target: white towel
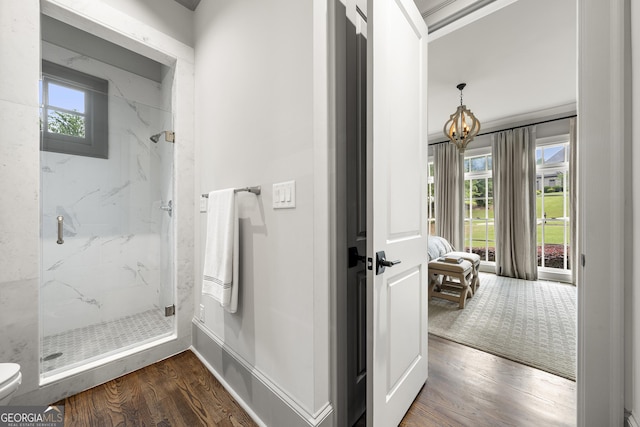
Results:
x,y
220,276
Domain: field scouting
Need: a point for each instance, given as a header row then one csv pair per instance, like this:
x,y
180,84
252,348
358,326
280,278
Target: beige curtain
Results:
x,y
449,183
514,189
573,197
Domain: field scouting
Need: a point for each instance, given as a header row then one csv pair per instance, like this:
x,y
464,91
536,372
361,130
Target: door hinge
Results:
x,y
583,259
170,310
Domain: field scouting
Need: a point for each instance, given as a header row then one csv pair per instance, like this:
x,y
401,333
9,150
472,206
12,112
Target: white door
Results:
x,y
396,219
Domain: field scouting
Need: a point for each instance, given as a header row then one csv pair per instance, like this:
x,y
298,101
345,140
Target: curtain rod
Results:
x,y
514,127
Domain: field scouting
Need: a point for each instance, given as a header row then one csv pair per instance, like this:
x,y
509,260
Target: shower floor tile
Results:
x,y
77,345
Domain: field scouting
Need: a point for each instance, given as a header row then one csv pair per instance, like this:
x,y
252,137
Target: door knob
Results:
x,y
382,263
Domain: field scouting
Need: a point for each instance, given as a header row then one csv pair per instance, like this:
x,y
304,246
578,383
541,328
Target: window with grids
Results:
x,y
74,112
479,227
431,213
553,204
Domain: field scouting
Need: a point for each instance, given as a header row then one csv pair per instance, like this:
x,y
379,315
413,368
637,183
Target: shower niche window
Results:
x,y
75,112
107,234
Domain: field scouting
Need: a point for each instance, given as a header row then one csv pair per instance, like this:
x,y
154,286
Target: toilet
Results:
x,y
10,379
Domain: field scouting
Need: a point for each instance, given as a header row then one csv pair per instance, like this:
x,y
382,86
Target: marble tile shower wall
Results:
x,y
115,258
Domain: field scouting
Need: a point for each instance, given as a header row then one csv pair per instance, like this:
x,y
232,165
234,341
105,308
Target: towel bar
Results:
x,y
255,190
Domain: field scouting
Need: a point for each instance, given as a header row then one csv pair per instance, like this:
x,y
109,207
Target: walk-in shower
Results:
x,y
107,233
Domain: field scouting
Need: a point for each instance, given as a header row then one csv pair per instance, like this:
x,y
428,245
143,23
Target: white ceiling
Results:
x,y
517,60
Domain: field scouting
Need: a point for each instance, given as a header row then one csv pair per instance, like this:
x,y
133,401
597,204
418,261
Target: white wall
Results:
x,y
255,109
20,187
602,136
19,182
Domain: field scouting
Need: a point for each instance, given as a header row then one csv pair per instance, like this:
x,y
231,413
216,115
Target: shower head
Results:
x,y
169,136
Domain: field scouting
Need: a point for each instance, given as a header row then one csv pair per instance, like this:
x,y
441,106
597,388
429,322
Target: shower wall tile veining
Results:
x,y
116,260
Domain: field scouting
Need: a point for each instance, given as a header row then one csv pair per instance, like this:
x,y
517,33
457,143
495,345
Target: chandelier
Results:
x,y
462,125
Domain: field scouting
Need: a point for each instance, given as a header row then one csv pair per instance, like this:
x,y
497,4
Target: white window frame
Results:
x,y
431,212
548,273
555,273
470,176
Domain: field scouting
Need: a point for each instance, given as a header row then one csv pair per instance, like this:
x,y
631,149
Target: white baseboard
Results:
x,y
263,400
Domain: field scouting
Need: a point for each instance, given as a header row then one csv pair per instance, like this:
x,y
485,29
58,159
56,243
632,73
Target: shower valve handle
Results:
x,y
60,227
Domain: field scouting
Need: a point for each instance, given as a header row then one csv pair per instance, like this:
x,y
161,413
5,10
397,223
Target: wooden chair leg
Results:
x,y
455,291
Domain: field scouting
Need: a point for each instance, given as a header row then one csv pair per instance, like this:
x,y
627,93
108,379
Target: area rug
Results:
x,y
533,323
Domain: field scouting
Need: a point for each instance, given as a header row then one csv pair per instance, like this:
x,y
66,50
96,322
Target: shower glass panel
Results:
x,y
105,288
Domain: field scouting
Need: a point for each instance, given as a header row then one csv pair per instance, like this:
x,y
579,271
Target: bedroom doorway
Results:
x,y
604,128
601,325
504,101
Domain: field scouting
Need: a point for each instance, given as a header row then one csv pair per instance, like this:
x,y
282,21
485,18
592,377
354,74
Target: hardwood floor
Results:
x,y
179,391
466,387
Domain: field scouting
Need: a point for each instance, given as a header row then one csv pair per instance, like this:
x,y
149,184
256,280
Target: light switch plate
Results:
x,y
203,204
201,313
284,195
